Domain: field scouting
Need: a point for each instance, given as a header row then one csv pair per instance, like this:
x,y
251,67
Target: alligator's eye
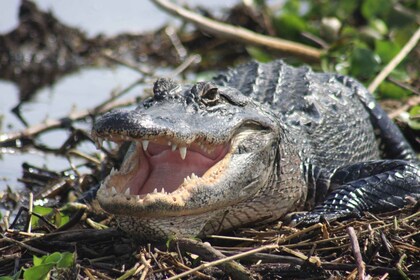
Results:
x,y
209,94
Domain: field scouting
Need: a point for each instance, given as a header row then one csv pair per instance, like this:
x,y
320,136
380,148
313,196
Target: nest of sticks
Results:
x,y
379,246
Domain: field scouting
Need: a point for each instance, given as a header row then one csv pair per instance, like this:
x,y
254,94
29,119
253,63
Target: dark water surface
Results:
x,y
81,90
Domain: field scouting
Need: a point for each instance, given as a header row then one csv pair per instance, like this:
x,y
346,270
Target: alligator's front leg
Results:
x,y
375,186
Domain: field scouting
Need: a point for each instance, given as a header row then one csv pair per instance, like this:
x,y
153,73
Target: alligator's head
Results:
x,y
195,151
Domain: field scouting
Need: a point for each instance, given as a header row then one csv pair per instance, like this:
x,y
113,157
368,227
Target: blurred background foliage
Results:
x,y
360,37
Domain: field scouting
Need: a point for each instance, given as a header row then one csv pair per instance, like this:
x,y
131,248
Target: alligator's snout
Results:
x,y
189,147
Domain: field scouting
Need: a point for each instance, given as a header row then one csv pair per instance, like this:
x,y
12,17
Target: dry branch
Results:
x,y
208,253
395,61
224,260
356,252
65,121
240,34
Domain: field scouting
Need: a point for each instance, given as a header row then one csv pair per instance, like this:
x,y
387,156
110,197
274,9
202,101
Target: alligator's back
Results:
x,y
326,117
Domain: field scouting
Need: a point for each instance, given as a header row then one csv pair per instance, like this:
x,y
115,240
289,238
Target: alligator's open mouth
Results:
x,y
160,169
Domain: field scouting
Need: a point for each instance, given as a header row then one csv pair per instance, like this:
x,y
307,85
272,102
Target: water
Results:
x,y
81,90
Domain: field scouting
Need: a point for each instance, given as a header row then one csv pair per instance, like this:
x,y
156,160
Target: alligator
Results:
x,y
248,147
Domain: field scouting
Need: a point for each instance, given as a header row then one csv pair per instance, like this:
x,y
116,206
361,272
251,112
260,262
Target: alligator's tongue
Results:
x,y
160,167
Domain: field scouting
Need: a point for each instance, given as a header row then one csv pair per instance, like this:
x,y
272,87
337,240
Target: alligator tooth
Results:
x,y
106,191
127,191
193,176
183,152
99,142
173,147
185,180
169,143
163,190
145,144
138,197
155,190
113,190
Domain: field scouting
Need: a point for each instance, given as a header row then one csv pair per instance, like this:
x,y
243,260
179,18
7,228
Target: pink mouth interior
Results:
x,y
160,167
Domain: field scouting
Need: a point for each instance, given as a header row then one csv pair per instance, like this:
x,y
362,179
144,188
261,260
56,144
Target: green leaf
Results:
x,y
402,35
376,8
38,261
414,113
386,50
59,218
16,276
54,258
259,54
42,211
379,26
364,62
43,265
67,260
390,90
289,25
344,9
38,272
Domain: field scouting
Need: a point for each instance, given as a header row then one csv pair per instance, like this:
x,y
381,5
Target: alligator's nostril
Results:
x,y
164,87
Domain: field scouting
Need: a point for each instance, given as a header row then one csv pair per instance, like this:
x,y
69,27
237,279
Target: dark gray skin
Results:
x,y
284,139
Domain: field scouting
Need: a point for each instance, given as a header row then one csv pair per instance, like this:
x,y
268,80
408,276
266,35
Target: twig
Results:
x,y
30,208
89,275
197,273
313,260
385,276
141,70
410,102
56,123
233,238
144,273
221,261
21,244
176,42
80,154
129,272
240,34
395,61
356,252
192,59
404,85
208,253
23,233
296,234
91,272
399,267
100,108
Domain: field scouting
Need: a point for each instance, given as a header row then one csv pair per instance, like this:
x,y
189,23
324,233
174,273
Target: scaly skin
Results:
x,y
257,142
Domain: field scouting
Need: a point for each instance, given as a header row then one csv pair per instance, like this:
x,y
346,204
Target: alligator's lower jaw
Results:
x,y
156,180
164,228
